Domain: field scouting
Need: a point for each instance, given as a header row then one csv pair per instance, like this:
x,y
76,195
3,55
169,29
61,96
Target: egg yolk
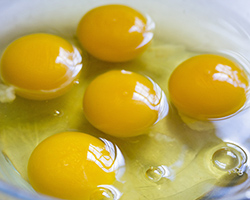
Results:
x,y
207,87
70,165
123,103
40,66
115,33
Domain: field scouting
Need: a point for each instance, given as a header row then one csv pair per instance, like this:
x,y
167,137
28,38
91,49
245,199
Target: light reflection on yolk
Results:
x,y
208,87
40,66
123,103
115,33
101,157
72,165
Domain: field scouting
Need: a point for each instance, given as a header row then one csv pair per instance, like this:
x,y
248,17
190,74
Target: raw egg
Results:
x,y
71,165
115,33
208,87
40,66
123,103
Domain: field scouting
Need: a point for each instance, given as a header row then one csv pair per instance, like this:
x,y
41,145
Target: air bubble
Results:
x,y
102,194
154,174
225,159
76,82
230,158
239,172
57,113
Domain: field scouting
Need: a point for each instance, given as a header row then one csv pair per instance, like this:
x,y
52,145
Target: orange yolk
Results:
x,y
71,165
115,33
208,87
123,103
40,66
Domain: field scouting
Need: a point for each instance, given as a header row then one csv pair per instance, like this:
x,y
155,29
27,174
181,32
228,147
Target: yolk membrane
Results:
x,y
40,66
115,33
208,87
71,165
123,103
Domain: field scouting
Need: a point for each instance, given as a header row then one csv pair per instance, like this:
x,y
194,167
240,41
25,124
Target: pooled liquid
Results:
x,y
173,160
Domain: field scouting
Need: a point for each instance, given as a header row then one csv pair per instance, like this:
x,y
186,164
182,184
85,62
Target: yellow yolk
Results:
x,y
115,33
70,165
208,87
40,66
123,103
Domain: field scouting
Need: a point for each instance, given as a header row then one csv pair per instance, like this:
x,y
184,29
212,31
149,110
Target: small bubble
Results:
x,y
231,158
102,194
240,173
76,82
225,159
57,113
154,174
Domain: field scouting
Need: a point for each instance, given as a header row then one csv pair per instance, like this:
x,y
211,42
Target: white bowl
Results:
x,y
204,26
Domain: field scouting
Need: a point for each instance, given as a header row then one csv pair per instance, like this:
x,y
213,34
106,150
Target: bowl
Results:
x,y
183,28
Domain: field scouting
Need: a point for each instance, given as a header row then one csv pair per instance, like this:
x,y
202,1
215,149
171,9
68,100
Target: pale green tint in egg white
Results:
x,y
203,25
